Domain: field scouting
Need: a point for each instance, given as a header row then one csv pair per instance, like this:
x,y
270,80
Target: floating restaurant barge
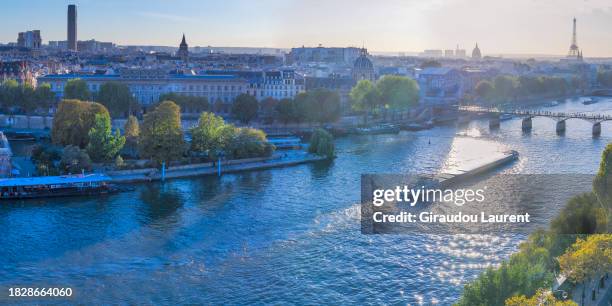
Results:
x,y
55,186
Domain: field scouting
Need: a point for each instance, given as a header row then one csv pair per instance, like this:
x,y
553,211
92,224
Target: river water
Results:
x,y
288,234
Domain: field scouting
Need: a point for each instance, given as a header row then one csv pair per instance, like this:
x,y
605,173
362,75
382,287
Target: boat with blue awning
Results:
x,y
55,186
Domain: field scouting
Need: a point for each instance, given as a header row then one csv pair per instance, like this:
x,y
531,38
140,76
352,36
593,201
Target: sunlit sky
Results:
x,y
499,26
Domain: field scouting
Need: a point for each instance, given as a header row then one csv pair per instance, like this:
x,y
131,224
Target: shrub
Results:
x,y
75,160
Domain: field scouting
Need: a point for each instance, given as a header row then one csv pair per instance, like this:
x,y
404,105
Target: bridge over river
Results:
x,y
495,115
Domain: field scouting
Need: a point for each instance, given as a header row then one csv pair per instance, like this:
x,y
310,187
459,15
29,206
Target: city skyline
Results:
x,y
394,26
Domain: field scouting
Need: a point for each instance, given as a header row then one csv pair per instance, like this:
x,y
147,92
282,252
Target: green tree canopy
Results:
x,y
587,258
9,93
323,105
131,131
44,96
161,136
117,98
103,146
73,120
188,104
365,97
398,92
484,89
322,144
206,137
248,143
77,89
245,108
504,86
285,111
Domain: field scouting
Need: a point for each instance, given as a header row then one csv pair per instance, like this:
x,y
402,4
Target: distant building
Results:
x,y
59,44
449,53
460,53
476,53
276,84
432,53
336,83
29,39
72,28
18,71
363,69
95,46
183,51
17,53
440,85
147,85
343,56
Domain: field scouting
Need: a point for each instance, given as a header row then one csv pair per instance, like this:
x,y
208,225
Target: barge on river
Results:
x,y
55,186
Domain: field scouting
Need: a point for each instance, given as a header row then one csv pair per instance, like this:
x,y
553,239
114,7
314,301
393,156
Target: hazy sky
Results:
x,y
499,26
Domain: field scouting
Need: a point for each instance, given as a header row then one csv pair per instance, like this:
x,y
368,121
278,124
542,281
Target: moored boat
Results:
x,y
378,129
55,186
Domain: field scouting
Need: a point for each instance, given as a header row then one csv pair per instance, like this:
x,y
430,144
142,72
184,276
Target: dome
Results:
x,y
363,62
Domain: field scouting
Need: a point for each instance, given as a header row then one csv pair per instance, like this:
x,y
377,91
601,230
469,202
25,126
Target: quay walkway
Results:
x,y
154,174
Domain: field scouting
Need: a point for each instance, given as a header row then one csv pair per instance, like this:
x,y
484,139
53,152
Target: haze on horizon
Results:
x,y
499,27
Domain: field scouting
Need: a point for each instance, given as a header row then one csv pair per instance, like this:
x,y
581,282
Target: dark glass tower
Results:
x,y
72,27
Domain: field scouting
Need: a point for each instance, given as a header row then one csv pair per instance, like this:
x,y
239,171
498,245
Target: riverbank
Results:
x,y
153,174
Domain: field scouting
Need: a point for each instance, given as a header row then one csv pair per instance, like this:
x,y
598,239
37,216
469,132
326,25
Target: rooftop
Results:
x,y
54,180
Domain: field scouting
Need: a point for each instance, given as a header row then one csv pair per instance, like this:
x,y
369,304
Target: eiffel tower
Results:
x,y
574,51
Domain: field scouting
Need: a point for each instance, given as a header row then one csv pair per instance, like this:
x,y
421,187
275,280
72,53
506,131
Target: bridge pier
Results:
x,y
494,123
561,127
527,124
597,129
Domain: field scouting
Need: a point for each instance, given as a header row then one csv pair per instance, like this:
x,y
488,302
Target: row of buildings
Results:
x,y
147,85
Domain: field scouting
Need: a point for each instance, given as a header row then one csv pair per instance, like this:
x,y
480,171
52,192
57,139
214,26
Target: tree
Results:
x,y
245,108
73,120
431,64
103,146
365,97
75,160
117,98
587,258
206,137
268,108
301,108
602,184
542,297
161,136
582,215
285,111
504,87
131,131
77,89
322,144
398,92
9,93
27,100
323,105
45,98
484,89
188,104
248,143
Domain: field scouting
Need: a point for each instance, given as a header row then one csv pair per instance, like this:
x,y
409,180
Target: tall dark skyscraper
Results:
x,y
72,27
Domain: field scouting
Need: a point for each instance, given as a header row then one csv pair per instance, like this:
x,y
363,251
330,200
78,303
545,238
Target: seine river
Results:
x,y
289,234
